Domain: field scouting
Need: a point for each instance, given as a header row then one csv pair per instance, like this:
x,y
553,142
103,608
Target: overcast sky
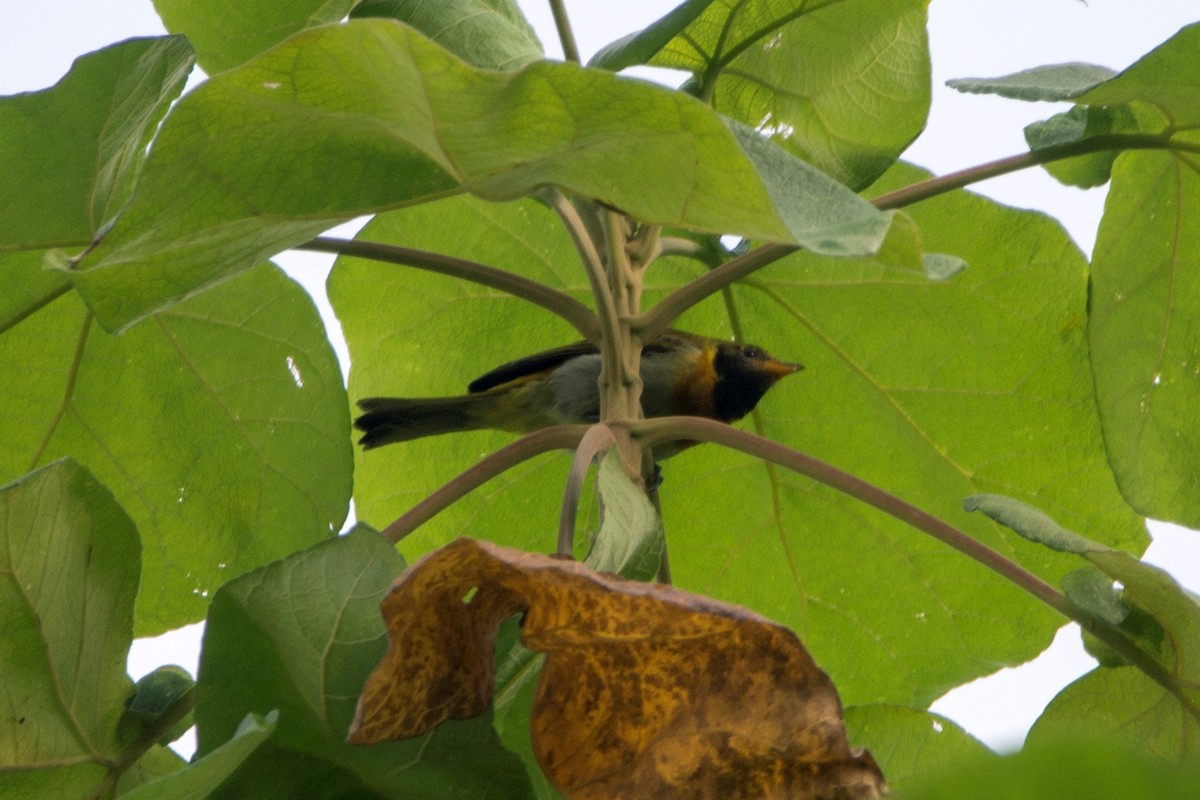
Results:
x,y
969,38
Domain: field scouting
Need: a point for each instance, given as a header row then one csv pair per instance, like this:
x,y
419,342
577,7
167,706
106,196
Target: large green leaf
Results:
x,y
220,425
1123,703
909,743
1168,78
933,390
1144,332
200,779
1050,82
341,121
1076,767
492,34
843,85
71,152
413,334
1144,336
69,559
227,33
301,635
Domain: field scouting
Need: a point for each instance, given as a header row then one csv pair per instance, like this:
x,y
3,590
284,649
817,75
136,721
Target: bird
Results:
x,y
682,373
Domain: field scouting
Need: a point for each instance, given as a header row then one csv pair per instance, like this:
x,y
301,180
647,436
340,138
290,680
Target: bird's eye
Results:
x,y
754,353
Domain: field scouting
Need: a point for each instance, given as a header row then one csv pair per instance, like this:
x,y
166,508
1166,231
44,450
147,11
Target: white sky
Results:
x,y
969,38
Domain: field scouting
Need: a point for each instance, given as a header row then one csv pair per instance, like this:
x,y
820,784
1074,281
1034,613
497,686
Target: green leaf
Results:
x,y
932,390
1093,591
226,34
1077,125
156,695
640,47
910,743
1168,78
1080,766
1125,704
221,426
1154,591
1051,82
412,333
71,152
941,266
199,779
342,121
823,216
630,540
301,635
844,86
1142,329
491,34
1032,523
69,561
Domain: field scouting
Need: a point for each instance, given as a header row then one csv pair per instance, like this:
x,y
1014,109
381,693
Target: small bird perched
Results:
x,y
682,373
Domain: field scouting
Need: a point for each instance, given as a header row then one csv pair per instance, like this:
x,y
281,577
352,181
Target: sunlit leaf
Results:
x,y
201,778
71,152
1145,342
1123,703
844,86
221,426
301,635
342,121
68,575
492,34
910,743
227,33
1079,766
1168,78
1050,82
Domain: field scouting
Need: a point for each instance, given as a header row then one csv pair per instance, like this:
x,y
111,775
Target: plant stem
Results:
x,y
660,317
598,437
580,317
565,34
656,320
932,187
558,437
665,429
138,747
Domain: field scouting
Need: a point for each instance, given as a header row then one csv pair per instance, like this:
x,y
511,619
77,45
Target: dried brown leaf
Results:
x,y
647,691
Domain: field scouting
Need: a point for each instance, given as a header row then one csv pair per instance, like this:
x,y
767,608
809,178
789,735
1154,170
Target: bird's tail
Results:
x,y
398,419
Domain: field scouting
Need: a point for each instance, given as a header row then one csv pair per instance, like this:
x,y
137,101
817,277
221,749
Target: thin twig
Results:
x,y
659,318
580,317
558,437
149,736
593,264
565,34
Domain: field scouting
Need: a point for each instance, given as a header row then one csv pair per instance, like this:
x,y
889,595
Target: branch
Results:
x,y
660,317
558,437
665,429
653,322
579,316
565,34
150,735
964,177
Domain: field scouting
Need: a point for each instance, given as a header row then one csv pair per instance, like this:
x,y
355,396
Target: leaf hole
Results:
x,y
470,595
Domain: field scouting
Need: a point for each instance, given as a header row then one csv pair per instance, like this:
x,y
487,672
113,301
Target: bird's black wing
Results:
x,y
530,365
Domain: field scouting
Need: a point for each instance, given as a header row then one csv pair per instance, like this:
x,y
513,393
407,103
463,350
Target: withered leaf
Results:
x,y
647,691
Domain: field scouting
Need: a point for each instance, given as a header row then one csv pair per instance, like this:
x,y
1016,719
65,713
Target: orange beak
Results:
x,y
781,369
